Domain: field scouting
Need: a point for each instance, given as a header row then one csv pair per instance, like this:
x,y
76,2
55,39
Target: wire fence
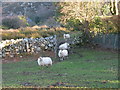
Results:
x,y
108,40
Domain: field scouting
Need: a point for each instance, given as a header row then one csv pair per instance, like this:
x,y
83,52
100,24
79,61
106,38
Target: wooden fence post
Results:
x,y
55,48
115,43
104,37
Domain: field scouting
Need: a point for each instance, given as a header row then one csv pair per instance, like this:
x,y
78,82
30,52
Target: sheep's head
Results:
x,y
67,44
60,52
40,58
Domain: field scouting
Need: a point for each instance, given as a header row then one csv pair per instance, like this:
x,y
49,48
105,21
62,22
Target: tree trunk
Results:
x,y
112,7
116,7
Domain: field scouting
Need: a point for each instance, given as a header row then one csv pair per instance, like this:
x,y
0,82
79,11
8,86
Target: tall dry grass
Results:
x,y
29,32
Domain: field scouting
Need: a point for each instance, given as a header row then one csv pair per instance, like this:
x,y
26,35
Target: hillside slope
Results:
x,y
37,12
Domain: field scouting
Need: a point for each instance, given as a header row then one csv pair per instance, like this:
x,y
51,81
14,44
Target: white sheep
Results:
x,y
44,61
62,54
66,36
64,46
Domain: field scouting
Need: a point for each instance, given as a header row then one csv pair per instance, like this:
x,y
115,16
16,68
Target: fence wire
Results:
x,y
108,40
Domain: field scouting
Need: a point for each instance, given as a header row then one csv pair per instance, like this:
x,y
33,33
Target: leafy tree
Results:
x,y
77,15
78,10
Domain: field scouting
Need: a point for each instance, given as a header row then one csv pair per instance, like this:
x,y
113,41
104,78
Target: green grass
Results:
x,y
95,69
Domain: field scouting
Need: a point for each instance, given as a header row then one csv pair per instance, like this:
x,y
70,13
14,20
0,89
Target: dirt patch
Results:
x,y
9,59
88,60
100,48
26,84
27,57
61,84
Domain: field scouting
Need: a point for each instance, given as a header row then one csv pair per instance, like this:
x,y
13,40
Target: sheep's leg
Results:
x,y
63,58
60,59
50,64
47,65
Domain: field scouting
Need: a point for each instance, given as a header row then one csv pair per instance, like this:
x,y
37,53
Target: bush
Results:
x,y
13,22
104,25
3,27
74,23
35,19
24,20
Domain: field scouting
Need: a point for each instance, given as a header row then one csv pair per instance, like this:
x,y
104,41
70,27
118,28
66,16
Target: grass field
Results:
x,y
84,68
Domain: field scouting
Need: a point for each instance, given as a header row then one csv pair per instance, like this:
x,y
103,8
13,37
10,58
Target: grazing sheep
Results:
x,y
64,46
44,61
66,36
62,54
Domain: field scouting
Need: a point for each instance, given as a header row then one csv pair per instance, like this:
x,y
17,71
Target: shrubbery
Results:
x,y
104,25
13,22
74,23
